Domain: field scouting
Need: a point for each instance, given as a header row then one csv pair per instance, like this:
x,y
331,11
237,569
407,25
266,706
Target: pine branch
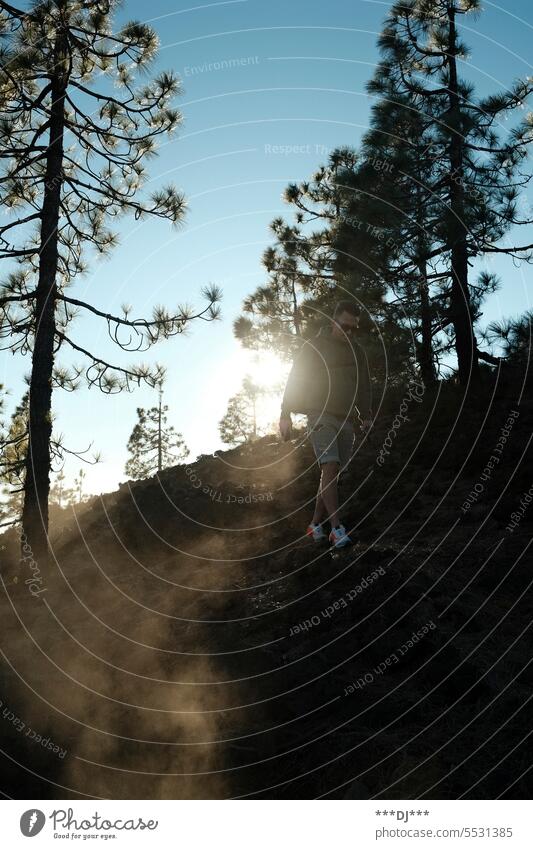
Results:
x,y
106,384
4,299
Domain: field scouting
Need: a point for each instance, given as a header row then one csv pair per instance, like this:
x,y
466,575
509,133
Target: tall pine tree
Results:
x,y
76,127
476,174
308,257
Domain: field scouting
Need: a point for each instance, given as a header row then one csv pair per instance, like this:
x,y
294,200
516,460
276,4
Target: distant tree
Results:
x,y
3,438
14,440
59,494
72,156
79,481
239,424
154,445
13,461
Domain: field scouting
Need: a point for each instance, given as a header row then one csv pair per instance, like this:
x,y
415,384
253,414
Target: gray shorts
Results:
x,y
331,438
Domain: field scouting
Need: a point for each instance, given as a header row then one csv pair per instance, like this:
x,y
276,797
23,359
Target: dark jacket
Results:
x,y
329,375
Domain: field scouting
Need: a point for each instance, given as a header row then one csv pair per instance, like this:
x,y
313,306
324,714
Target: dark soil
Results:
x,y
189,642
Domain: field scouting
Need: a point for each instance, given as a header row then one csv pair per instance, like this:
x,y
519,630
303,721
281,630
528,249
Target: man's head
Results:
x,y
345,320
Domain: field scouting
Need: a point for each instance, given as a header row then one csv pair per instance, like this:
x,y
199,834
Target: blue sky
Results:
x,y
269,89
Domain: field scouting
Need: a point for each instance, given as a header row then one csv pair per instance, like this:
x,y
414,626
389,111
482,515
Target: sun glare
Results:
x,y
265,369
269,372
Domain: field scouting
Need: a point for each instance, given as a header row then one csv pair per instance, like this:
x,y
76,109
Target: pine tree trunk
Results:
x,y
37,482
159,439
460,307
425,349
295,310
425,357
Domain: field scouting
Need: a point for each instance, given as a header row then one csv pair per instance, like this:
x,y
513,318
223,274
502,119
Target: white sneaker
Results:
x,y
316,531
339,538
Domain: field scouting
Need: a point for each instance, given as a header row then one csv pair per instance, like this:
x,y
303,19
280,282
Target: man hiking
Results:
x,y
329,382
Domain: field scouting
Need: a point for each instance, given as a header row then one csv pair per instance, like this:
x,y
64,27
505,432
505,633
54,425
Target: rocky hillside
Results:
x,y
189,642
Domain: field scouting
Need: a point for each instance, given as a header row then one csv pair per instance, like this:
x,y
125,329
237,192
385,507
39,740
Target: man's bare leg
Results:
x,y
327,499
320,508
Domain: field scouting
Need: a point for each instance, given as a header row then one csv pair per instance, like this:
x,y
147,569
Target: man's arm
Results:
x,y
290,396
293,385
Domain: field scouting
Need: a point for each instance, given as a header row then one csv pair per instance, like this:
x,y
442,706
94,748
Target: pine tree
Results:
x,y
309,257
59,494
78,486
385,231
475,174
277,305
301,280
154,445
4,516
239,424
13,462
512,337
73,158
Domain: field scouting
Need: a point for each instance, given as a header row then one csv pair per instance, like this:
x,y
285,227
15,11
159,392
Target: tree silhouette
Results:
x,y
239,423
13,464
398,223
154,444
307,256
73,159
386,229
302,281
59,494
512,337
13,461
78,486
476,175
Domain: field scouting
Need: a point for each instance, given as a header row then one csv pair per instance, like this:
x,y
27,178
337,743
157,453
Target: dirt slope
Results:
x,y
188,642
